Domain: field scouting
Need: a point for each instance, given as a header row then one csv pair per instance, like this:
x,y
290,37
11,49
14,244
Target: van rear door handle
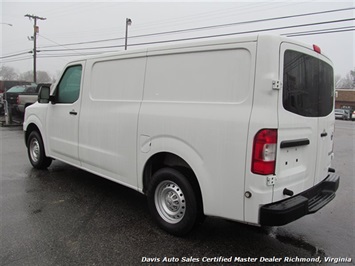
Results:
x,y
294,143
73,112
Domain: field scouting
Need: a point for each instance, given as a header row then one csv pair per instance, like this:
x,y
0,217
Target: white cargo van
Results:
x,y
240,128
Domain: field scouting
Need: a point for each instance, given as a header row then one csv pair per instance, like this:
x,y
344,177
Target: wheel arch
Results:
x,y
33,122
27,104
31,127
167,159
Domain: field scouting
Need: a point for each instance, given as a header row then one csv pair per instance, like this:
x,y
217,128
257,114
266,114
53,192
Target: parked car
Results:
x,y
1,104
348,114
28,97
342,114
5,85
11,95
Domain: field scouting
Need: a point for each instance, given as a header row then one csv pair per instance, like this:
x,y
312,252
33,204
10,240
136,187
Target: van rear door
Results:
x,y
306,120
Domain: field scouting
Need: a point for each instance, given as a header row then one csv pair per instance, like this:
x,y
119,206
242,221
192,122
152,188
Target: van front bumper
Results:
x,y
307,202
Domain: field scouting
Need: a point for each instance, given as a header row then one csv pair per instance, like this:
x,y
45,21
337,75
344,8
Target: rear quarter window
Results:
x,y
308,85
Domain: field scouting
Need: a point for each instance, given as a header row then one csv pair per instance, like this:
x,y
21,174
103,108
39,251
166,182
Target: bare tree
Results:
x,y
26,76
42,77
8,73
346,83
337,80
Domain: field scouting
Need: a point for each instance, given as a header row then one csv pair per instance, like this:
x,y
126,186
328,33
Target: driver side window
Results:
x,y
68,89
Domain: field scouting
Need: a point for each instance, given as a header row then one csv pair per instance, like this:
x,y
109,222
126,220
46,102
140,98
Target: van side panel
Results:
x,y
109,117
197,105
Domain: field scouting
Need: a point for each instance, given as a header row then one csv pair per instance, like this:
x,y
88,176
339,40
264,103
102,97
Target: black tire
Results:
x,y
35,151
172,202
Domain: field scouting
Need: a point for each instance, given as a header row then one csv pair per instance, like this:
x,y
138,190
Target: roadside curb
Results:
x,y
13,124
3,124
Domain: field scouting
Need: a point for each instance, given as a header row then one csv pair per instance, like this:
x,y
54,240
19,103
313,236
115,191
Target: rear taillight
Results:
x,y
264,152
18,100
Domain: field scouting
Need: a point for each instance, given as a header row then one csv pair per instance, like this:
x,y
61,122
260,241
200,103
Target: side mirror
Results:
x,y
44,94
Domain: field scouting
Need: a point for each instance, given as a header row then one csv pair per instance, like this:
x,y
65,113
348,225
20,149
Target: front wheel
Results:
x,y
172,202
35,150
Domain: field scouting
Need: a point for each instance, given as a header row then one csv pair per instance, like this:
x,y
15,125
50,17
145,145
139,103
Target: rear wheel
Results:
x,y
172,202
35,150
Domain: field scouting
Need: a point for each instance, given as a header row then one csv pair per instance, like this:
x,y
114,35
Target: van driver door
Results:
x,y
63,115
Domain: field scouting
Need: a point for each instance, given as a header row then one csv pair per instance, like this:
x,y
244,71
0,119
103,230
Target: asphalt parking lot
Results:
x,y
66,216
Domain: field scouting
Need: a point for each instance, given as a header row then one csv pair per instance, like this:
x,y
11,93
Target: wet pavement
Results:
x,y
66,216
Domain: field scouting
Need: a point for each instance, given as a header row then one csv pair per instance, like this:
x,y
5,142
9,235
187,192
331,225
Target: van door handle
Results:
x,y
73,112
294,143
324,134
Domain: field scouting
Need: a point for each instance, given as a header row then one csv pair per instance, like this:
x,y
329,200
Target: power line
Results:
x,y
82,49
207,27
317,33
14,55
177,31
322,31
192,17
303,33
211,36
16,60
60,45
243,22
220,35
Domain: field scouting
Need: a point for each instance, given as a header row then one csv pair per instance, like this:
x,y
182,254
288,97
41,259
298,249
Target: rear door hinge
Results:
x,y
276,84
270,180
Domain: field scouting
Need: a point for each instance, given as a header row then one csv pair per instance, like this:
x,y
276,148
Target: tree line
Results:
x,y
347,82
9,73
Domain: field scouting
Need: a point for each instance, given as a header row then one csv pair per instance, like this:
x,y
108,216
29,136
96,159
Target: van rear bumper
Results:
x,y
307,202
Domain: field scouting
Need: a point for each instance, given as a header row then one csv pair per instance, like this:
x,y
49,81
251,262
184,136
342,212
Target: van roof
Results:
x,y
184,44
194,43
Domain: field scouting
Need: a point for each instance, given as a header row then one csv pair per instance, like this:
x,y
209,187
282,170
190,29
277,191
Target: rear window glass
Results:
x,y
308,87
17,89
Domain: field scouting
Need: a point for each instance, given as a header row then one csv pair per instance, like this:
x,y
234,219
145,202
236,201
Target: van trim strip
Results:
x,y
294,143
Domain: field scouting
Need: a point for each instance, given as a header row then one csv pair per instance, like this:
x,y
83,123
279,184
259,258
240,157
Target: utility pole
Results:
x,y
35,31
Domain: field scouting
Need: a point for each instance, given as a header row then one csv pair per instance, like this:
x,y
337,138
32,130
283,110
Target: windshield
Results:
x,y
17,89
308,87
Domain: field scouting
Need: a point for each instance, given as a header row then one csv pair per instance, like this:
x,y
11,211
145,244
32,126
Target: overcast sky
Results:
x,y
94,23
